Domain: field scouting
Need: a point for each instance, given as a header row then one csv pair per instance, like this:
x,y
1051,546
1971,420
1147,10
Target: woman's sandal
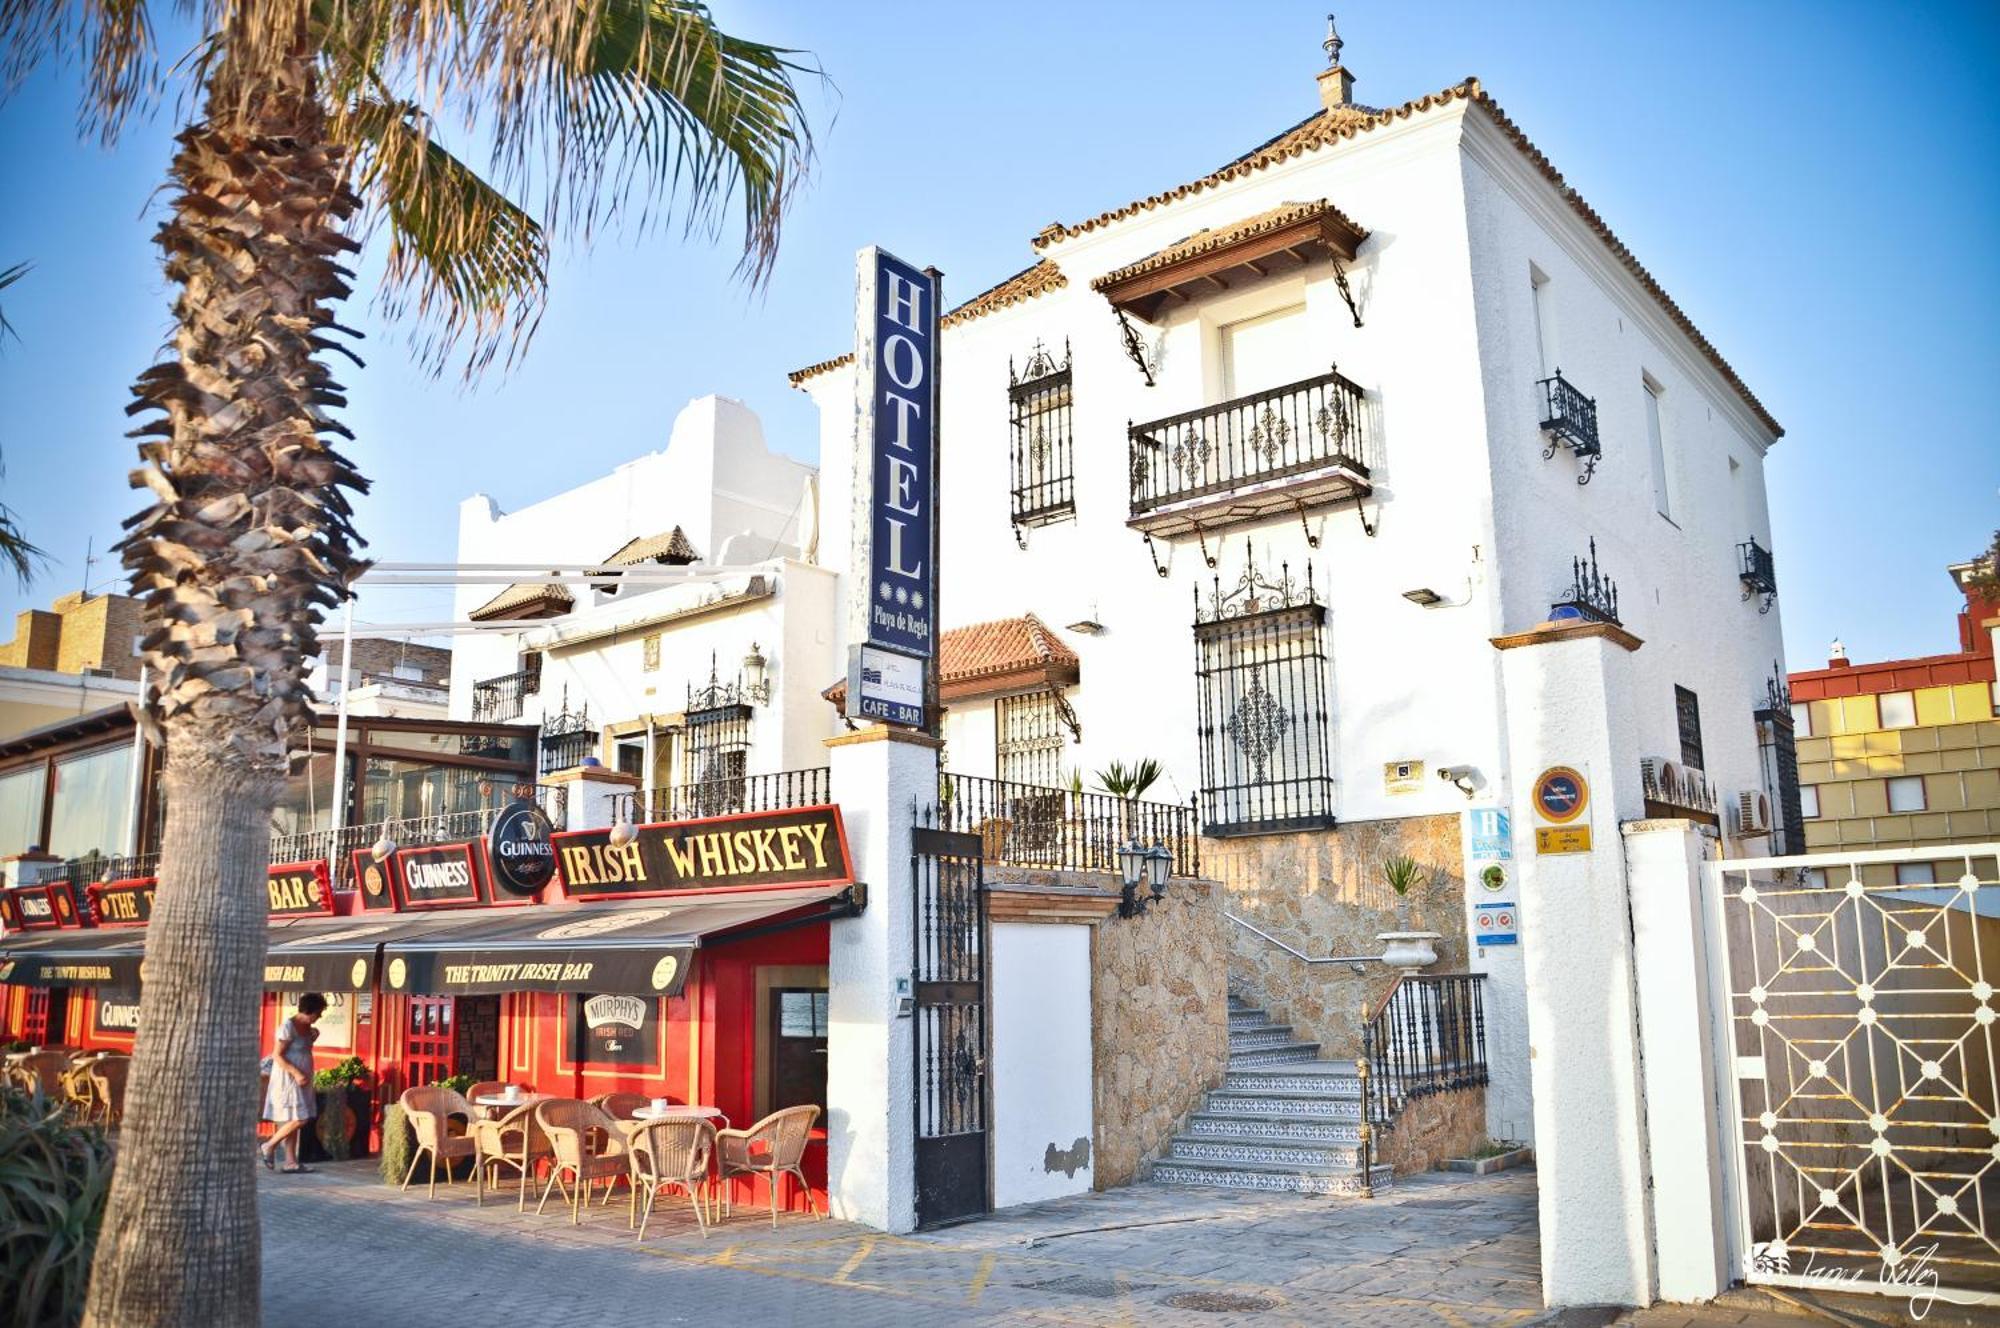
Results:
x,y
296,1171
270,1162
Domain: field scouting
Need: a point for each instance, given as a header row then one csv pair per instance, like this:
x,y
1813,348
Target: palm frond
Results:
x,y
111,39
468,264
608,105
8,276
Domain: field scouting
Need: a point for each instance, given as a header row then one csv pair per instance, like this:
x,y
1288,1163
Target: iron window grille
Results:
x,y
1042,451
1263,722
1569,418
1759,573
1778,755
1029,739
1687,722
1290,430
717,736
566,739
1591,594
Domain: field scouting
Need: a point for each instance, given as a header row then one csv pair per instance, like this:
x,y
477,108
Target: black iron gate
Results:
x,y
951,1031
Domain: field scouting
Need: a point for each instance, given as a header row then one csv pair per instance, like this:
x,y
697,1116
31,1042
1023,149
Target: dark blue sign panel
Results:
x,y
902,608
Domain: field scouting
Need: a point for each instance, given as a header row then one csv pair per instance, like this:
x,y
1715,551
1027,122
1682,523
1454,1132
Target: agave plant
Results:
x,y
1404,874
54,1176
316,125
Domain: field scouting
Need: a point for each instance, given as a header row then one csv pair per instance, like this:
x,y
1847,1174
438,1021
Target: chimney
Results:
x,y
1836,655
1336,85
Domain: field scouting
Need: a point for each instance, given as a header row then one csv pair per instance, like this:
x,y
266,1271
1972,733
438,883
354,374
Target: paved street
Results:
x,y
343,1251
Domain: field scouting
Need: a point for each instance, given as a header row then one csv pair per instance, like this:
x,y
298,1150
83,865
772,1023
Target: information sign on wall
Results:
x,y
1496,924
1489,833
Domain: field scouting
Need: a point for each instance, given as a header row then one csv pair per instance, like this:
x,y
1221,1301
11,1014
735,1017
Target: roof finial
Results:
x,y
1332,42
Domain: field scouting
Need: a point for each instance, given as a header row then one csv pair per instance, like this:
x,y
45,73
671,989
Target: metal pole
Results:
x,y
340,721
136,787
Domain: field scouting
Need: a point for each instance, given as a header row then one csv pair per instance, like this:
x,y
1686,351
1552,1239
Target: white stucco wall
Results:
x,y
1041,1076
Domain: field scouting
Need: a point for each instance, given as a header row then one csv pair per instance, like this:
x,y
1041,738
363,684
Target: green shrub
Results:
x,y
54,1177
398,1143
353,1070
457,1083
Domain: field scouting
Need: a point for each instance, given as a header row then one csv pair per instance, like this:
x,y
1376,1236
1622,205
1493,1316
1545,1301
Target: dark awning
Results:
x,y
106,957
328,954
641,949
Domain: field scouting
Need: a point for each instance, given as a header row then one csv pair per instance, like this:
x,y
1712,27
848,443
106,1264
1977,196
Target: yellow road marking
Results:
x,y
980,1278
855,1260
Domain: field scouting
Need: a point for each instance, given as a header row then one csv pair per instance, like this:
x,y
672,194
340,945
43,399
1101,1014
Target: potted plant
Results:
x,y
1129,784
1408,948
341,1130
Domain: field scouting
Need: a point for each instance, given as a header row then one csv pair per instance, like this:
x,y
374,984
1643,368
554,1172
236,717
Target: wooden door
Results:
x,y
797,1045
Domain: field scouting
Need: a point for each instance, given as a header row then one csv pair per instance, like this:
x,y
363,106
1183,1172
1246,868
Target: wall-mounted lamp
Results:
x,y
757,676
622,832
1138,865
1424,596
384,849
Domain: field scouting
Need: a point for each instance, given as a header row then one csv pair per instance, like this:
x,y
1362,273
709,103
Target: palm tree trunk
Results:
x,y
247,540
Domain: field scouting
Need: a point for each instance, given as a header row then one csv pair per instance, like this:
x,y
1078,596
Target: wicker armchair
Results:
x,y
46,1068
671,1153
487,1088
772,1147
588,1147
513,1140
76,1089
621,1105
107,1080
429,1111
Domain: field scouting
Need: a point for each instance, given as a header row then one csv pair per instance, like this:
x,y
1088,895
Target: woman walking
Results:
x,y
288,1102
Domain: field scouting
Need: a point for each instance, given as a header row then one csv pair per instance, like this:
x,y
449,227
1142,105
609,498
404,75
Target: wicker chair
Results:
x,y
512,1140
487,1088
588,1147
76,1089
107,1080
772,1147
46,1068
672,1153
429,1111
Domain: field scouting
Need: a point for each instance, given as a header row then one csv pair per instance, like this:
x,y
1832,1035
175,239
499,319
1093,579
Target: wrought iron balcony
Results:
x,y
496,700
1591,594
1569,418
1758,572
1030,825
1303,445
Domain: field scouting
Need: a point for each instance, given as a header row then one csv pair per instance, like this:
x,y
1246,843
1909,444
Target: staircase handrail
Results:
x,y
1357,962
1433,1040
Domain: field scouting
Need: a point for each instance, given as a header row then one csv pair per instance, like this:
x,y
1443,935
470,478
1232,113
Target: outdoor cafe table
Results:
x,y
506,1103
646,1115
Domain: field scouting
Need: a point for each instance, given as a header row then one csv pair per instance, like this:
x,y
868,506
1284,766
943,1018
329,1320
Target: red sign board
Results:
x,y
34,906
123,903
437,876
374,880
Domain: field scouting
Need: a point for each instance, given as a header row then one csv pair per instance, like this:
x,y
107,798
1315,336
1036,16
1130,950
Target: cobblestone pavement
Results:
x,y
343,1251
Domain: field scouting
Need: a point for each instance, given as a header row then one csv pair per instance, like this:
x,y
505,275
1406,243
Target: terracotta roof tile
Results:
x,y
990,650
1331,126
546,600
668,547
1206,241
1025,285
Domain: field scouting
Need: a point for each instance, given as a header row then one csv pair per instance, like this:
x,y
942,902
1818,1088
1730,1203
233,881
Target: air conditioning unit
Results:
x,y
1753,813
1697,794
1673,783
1652,770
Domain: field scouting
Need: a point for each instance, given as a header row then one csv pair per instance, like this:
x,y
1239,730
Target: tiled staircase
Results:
x,y
1282,1120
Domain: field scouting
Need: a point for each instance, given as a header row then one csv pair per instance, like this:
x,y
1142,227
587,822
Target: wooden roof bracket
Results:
x,y
1135,347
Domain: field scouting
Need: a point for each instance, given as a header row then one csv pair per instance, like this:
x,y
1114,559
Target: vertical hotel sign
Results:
x,y
895,613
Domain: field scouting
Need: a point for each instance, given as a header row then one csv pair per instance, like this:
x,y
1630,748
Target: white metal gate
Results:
x,y
1860,1014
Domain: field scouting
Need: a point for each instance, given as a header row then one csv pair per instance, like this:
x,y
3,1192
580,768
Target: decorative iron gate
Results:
x,y
1866,1107
951,1027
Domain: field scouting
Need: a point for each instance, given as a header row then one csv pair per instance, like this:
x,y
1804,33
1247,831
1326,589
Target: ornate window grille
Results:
x,y
1043,469
1759,573
717,738
1263,721
566,739
1030,739
1778,755
1569,418
1687,721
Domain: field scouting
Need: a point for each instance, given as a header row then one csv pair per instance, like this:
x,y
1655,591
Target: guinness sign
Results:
x,y
438,876
801,846
34,906
520,856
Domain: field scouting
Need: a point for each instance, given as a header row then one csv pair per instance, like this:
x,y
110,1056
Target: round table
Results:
x,y
494,1100
688,1112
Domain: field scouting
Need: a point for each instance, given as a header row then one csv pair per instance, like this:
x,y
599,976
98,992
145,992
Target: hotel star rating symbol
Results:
x,y
1871,1026
900,594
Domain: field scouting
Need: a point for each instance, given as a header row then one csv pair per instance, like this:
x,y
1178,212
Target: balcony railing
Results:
x,y
726,797
1759,573
1569,418
1027,825
497,700
339,846
1303,429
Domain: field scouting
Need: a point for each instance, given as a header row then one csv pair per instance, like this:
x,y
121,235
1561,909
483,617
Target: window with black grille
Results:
x,y
1263,721
1029,739
1778,754
1044,480
718,757
1687,718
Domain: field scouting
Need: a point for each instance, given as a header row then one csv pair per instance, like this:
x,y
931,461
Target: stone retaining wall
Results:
x,y
1160,1014
1321,892
1433,1128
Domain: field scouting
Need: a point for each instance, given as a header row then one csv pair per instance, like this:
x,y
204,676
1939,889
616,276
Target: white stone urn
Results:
x,y
1409,950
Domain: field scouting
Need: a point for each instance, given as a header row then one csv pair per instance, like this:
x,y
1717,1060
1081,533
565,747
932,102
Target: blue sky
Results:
x,y
1815,184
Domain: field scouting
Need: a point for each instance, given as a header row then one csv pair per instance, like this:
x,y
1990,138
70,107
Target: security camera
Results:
x,y
1465,777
